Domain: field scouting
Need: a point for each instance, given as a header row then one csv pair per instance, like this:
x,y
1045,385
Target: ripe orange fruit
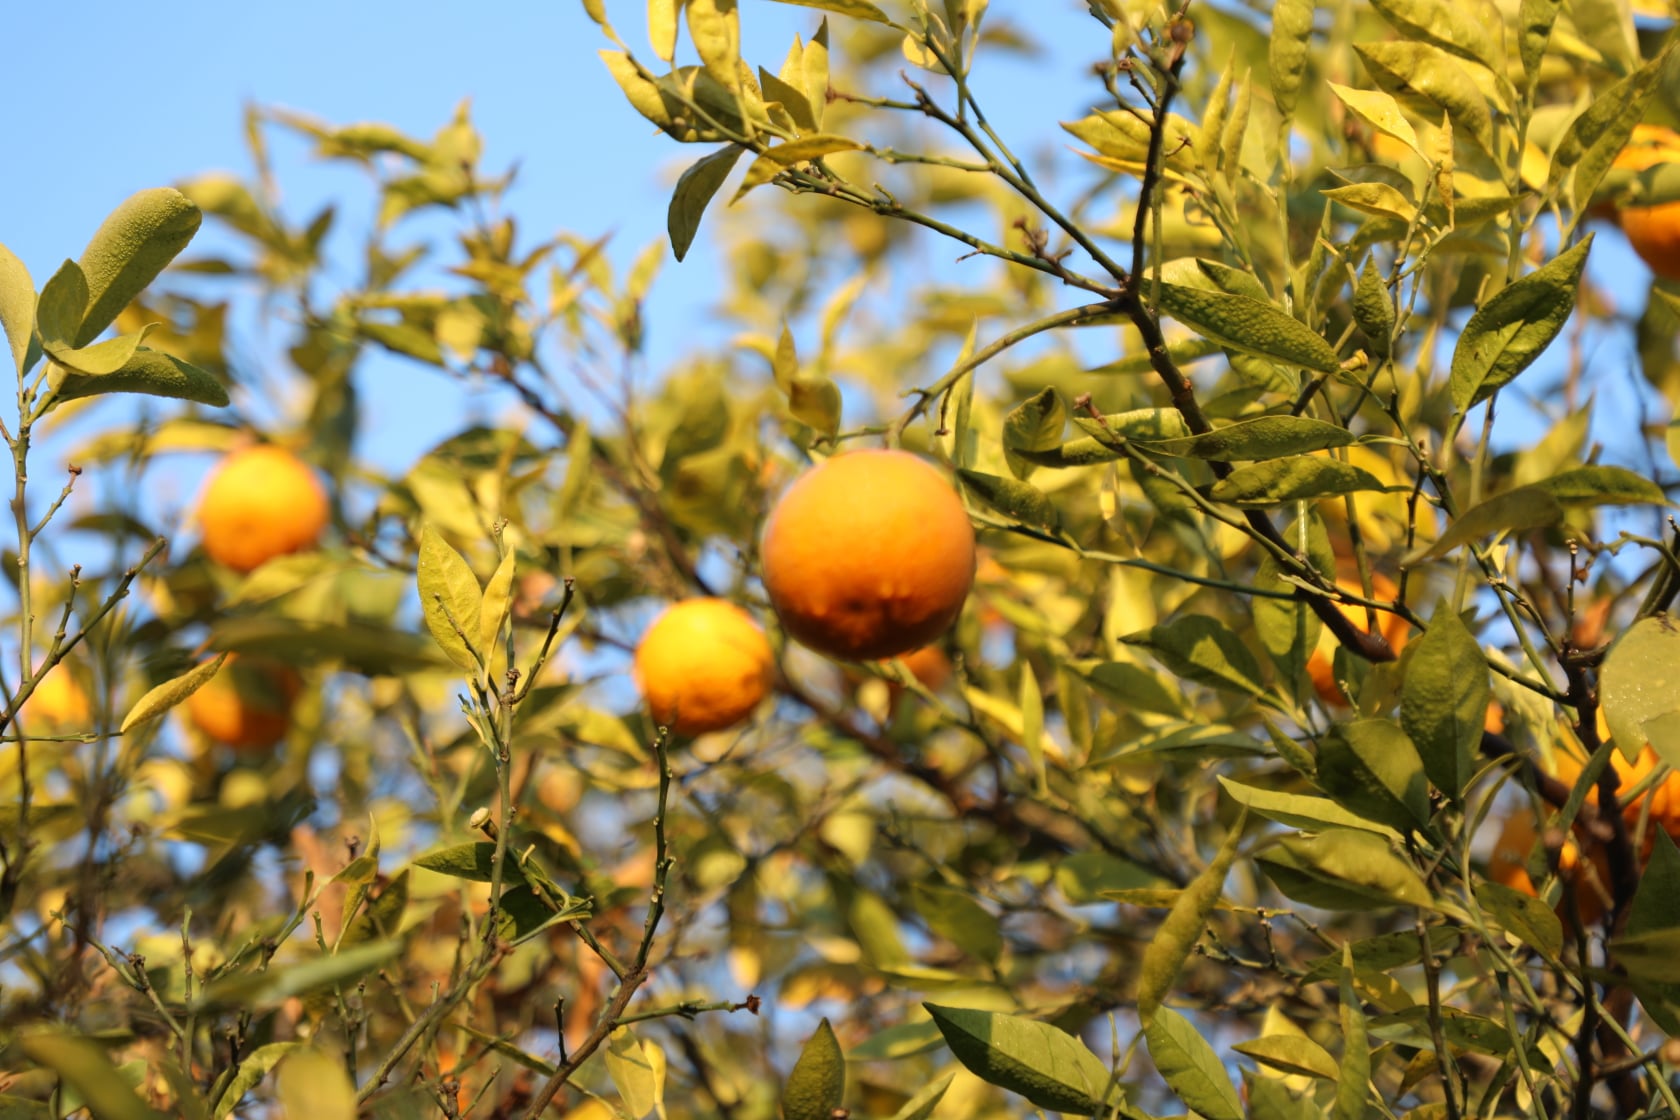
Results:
x,y
260,503
247,705
702,666
868,555
1508,864
1653,231
1662,798
58,703
1394,629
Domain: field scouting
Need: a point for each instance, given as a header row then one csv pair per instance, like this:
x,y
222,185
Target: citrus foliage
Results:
x,y
1270,779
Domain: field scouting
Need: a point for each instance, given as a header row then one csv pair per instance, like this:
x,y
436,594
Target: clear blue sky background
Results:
x,y
117,103
105,102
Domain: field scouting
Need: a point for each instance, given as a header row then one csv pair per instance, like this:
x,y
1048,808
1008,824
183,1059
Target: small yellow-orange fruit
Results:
x,y
1653,231
260,503
868,555
1394,629
58,703
702,666
247,705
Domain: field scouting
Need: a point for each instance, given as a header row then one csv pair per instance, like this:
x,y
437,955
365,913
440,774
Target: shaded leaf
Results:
x,y
1019,500
1542,504
1264,437
1445,685
1033,425
1296,478
1530,919
1511,330
1344,869
151,373
1202,649
1047,1066
473,861
83,1066
1176,937
1372,768
694,190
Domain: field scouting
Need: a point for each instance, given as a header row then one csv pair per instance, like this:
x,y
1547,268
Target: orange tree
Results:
x,y
1311,343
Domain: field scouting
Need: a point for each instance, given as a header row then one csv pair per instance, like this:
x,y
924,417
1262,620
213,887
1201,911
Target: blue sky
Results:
x,y
152,105
116,103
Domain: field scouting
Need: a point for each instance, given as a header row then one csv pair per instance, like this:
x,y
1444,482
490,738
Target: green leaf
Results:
x,y
1445,685
1472,29
1180,353
1353,1076
1297,478
1656,906
1372,309
694,191
857,9
1270,1098
1033,425
632,1071
83,1066
1378,110
926,1099
1191,1067
170,693
783,156
1046,1065
63,302
817,1085
1384,952
100,358
493,608
311,1083
1530,919
473,861
1250,325
130,248
1542,504
1344,869
1639,688
957,917
1019,500
1372,768
1511,330
253,1067
151,373
1202,649
1431,82
815,401
17,305
450,597
295,978
1299,810
1176,937
1287,51
1264,437
1534,28
1602,130
1291,1054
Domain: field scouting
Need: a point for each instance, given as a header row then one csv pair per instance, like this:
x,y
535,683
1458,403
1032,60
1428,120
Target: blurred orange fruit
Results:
x,y
702,666
1394,629
1508,864
1661,799
58,703
260,503
868,555
1653,231
247,705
